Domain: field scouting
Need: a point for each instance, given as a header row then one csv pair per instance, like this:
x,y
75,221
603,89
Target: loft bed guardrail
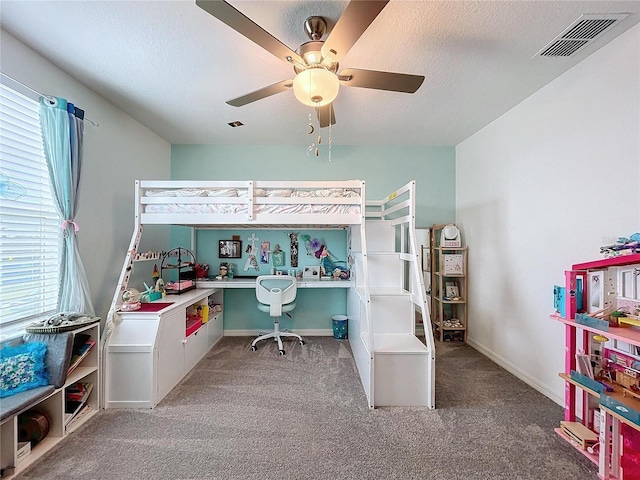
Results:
x,y
251,204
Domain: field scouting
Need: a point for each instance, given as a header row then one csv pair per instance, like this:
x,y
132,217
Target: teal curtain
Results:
x,y
62,132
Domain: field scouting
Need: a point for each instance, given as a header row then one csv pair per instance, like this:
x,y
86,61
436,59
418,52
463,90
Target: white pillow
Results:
x,y
222,192
302,193
178,192
279,192
159,193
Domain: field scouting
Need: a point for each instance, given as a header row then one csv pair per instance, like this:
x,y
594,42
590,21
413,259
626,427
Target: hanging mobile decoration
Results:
x,y
313,142
311,131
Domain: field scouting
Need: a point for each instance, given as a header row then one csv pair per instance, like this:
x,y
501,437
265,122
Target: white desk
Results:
x,y
149,352
316,302
250,282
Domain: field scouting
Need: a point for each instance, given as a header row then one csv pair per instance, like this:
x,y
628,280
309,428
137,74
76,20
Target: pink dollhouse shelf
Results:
x,y
590,456
608,262
626,334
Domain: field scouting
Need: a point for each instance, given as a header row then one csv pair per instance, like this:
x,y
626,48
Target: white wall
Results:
x,y
541,188
117,152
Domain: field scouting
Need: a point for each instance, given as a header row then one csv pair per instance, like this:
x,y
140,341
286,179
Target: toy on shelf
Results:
x,y
623,246
150,294
131,300
155,275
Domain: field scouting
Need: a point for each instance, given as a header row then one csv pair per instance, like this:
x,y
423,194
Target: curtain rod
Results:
x,y
41,95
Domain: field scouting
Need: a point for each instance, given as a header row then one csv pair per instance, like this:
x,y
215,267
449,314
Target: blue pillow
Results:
x,y
22,368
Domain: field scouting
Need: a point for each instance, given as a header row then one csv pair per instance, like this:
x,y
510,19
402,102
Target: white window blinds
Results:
x,y
29,225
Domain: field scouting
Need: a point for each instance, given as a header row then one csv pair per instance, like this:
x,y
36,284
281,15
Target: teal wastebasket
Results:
x,y
340,326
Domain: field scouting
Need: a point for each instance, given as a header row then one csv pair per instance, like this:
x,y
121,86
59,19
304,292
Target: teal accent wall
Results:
x,y
383,169
207,248
314,308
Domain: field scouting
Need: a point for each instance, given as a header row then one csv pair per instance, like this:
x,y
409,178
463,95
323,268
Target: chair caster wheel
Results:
x,y
254,348
301,342
281,353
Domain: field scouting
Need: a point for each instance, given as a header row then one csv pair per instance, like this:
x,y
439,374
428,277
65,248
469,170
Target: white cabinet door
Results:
x,y
215,329
195,348
170,364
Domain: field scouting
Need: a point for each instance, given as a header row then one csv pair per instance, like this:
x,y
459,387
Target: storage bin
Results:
x,y
192,325
340,326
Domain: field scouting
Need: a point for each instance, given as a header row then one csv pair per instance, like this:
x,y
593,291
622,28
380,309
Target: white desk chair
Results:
x,y
276,295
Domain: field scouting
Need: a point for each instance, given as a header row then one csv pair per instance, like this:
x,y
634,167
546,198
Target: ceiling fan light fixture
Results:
x,y
316,87
311,52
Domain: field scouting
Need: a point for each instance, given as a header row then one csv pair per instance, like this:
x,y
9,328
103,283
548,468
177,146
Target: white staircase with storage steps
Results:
x,y
401,359
400,370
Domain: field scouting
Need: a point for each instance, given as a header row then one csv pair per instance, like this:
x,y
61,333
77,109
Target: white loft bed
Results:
x,y
317,204
250,203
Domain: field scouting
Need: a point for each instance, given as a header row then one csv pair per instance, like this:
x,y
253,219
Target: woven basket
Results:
x,y
61,322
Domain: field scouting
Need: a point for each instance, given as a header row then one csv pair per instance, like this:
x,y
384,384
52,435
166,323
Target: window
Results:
x,y
30,239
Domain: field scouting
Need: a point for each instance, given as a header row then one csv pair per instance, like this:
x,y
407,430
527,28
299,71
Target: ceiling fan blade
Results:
x,y
261,93
395,82
240,23
351,25
326,115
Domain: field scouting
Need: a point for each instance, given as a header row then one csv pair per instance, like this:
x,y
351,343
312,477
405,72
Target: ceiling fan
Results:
x,y
316,62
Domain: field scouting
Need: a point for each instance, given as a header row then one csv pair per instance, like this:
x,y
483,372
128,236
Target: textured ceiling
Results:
x,y
172,66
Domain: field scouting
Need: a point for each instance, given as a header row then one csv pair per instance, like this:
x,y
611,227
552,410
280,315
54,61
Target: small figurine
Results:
x,y
155,275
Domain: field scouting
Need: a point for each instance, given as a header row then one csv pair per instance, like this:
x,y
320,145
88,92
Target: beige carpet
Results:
x,y
255,415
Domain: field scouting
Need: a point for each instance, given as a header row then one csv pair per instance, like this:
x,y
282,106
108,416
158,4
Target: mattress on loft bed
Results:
x,y
220,207
258,192
236,209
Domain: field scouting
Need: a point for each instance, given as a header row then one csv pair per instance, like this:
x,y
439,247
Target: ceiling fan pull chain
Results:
x,y
330,122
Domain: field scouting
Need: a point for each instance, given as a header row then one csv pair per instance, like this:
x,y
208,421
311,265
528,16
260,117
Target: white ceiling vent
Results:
x,y
579,34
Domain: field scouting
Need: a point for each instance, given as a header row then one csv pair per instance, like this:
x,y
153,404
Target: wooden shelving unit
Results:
x,y
448,288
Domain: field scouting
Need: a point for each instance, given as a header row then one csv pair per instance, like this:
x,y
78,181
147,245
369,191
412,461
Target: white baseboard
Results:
x,y
311,332
518,372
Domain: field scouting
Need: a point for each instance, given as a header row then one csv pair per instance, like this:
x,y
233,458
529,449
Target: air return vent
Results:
x,y
579,34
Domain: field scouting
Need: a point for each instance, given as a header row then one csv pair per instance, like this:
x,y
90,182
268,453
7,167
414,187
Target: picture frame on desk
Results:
x,y
230,249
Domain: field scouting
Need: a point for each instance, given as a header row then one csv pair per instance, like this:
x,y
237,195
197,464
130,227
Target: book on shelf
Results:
x,y
76,419
82,344
79,392
76,397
